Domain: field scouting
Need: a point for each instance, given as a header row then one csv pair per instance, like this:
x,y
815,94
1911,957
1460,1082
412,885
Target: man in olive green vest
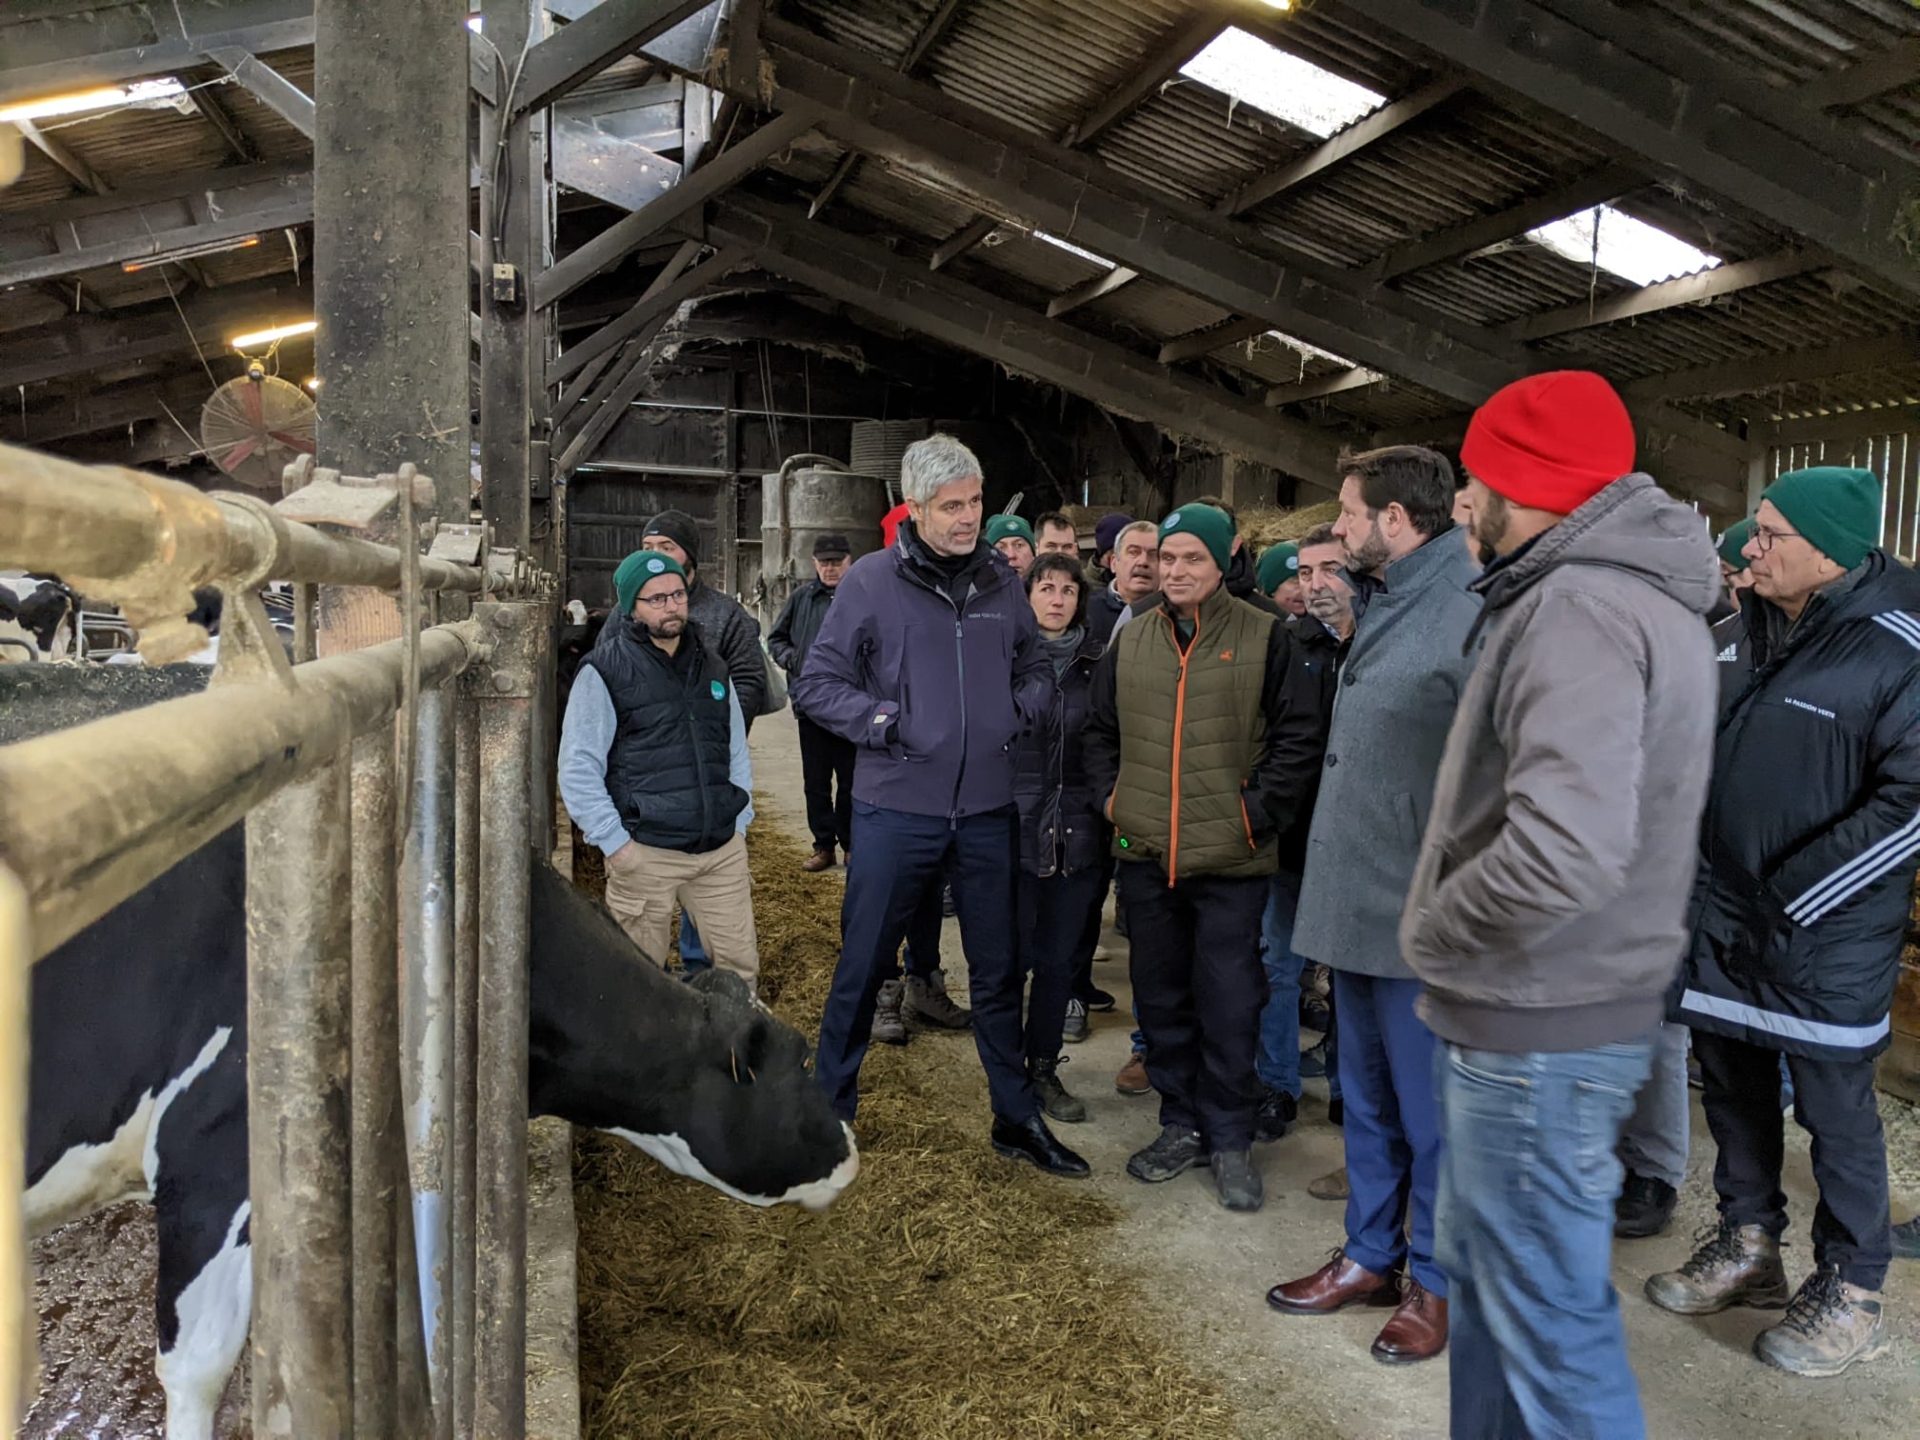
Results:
x,y
1207,744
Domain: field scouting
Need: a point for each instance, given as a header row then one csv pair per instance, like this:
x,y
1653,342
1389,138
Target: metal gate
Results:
x,y
387,794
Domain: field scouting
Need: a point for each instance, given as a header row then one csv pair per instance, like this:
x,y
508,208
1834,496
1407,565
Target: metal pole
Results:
x,y
466,1011
500,1161
298,1006
18,1357
427,1022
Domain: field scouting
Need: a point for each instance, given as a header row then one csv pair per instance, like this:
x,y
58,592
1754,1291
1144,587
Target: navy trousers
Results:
x,y
1053,911
897,860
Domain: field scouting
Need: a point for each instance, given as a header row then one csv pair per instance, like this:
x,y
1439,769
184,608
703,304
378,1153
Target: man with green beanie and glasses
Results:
x,y
1205,746
1806,877
1278,576
1013,538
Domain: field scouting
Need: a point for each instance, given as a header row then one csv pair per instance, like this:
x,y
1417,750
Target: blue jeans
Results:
x,y
1529,1177
1279,1055
897,861
1392,1131
693,954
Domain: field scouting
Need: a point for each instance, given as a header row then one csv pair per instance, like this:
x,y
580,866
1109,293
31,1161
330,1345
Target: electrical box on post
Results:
x,y
504,287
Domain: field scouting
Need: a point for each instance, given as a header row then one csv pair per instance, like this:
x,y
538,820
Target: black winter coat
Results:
x,y
730,630
793,633
1812,827
1061,829
1317,651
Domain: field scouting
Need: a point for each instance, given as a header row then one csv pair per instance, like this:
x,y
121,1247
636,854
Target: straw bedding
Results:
x,y
1265,527
949,1294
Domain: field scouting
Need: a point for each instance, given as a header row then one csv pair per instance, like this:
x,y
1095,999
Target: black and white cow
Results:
x,y
37,618
139,1061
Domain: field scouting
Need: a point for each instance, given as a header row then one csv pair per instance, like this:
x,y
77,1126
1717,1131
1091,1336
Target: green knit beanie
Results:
x,y
1837,508
1001,526
1210,526
1278,564
1733,541
636,570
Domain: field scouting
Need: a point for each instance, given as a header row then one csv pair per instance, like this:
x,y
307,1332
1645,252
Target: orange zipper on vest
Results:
x,y
1247,820
1179,725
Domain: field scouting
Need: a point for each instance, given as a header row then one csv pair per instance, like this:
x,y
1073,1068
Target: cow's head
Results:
x,y
701,1076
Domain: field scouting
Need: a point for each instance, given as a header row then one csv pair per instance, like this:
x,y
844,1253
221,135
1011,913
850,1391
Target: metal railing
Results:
x,y
387,798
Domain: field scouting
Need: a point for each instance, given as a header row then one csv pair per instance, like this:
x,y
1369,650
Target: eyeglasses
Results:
x,y
662,602
1765,538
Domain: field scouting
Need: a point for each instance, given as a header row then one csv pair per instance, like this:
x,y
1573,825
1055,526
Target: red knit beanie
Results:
x,y
890,524
1551,442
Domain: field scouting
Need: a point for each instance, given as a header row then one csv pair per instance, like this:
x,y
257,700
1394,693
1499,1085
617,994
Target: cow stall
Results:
x,y
389,799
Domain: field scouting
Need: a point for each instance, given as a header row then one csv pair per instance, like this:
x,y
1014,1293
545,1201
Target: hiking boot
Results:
x,y
946,901
1235,1180
1132,1079
928,1002
888,1027
1733,1265
1331,1186
1077,1028
1177,1149
1828,1326
821,859
1645,1207
1100,1000
1278,1110
1313,1061
1053,1096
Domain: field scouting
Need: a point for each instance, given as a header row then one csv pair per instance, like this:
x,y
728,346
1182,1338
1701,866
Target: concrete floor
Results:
x,y
1205,1272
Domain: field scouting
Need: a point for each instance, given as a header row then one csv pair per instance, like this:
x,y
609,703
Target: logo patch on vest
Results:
x,y
1226,655
719,690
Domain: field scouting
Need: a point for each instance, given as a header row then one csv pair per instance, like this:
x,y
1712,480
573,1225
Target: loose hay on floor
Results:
x,y
949,1294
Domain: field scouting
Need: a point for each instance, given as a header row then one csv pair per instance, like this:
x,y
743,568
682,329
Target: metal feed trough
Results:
x,y
389,808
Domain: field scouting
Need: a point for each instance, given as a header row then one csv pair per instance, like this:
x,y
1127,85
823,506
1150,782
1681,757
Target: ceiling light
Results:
x,y
1629,248
189,252
278,332
141,92
1252,72
1072,249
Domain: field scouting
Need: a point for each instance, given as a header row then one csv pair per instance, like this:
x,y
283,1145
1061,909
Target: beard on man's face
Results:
x,y
1371,555
668,627
1491,517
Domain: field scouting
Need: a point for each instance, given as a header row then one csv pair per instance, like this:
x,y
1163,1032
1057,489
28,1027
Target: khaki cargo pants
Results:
x,y
645,885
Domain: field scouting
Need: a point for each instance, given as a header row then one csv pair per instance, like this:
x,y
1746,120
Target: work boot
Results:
x,y
928,1002
1236,1182
1176,1150
1098,999
1645,1207
1313,1060
946,902
1733,1265
821,859
1278,1110
1053,1096
1331,1186
1906,1239
1132,1079
888,1027
1077,1028
1828,1326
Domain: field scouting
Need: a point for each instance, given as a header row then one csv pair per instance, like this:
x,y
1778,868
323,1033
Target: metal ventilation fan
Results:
x,y
253,427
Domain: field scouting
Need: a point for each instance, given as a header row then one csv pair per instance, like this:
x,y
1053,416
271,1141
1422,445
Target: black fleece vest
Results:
x,y
667,766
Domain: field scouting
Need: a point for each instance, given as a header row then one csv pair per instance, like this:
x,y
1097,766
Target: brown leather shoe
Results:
x,y
1331,1186
1132,1079
819,860
1418,1329
1334,1286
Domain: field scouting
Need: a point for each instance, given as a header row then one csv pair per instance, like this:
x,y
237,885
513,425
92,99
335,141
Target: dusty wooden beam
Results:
x,y
1667,295
1090,291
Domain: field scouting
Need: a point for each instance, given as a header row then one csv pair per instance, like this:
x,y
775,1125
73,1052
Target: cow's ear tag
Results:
x,y
719,690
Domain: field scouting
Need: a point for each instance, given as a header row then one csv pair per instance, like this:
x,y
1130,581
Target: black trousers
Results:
x,y
1088,940
826,774
1198,987
1834,1102
1052,916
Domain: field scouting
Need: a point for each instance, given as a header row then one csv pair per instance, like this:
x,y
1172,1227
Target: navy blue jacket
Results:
x,y
932,689
1061,829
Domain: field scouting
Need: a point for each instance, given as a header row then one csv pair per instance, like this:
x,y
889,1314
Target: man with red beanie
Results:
x,y
1549,908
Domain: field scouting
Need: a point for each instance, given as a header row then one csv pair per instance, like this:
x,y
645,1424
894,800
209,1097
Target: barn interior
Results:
x,y
580,261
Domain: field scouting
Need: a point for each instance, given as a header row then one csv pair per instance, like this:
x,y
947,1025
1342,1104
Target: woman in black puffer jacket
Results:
x,y
1063,839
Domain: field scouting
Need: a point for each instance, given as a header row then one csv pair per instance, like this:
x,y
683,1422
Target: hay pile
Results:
x,y
949,1295
1265,527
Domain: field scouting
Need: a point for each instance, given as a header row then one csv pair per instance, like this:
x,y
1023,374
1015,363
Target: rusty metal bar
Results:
x,y
84,830
18,1332
466,1011
299,981
500,1162
427,909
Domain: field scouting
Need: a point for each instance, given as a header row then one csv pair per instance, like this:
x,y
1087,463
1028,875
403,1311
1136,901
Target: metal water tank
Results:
x,y
811,496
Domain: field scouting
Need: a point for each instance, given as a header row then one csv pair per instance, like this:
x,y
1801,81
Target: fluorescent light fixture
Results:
x,y
1629,248
189,252
1072,249
1252,72
278,332
165,90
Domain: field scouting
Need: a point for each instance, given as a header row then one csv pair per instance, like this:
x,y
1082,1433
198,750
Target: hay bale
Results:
x,y
949,1295
1264,527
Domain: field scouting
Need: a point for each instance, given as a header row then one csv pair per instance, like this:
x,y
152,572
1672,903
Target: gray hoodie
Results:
x,y
1548,910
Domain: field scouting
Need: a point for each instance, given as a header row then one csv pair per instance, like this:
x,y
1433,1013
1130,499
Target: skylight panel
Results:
x,y
1629,248
1297,91
1073,249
